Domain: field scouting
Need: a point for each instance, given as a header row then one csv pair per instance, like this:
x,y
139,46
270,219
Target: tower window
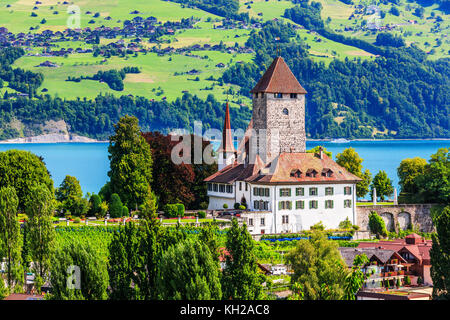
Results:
x,y
285,111
293,96
278,95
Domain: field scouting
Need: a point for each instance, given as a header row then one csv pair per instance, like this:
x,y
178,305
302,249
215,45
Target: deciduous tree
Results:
x,y
318,267
350,160
382,184
22,170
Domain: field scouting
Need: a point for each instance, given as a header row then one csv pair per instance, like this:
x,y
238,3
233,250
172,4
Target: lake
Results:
x,y
89,163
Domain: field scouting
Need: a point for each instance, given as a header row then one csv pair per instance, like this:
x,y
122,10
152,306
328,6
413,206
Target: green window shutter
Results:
x,y
281,193
289,193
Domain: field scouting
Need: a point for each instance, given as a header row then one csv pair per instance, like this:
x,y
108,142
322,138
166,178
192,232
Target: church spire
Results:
x,y
227,140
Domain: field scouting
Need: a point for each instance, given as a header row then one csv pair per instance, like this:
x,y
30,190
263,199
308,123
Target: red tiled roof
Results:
x,y
278,78
285,163
235,171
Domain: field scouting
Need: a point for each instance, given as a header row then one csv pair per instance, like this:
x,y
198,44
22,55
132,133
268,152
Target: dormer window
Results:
x,y
293,96
327,173
278,95
311,173
296,173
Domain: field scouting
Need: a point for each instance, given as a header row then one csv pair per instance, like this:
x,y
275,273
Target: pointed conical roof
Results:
x,y
278,79
227,140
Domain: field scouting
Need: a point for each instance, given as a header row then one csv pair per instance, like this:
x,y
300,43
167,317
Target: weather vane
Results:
x,y
278,48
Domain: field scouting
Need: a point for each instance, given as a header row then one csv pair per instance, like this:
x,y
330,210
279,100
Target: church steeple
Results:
x,y
226,150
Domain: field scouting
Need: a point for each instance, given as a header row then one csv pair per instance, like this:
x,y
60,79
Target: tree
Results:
x,y
123,263
173,187
440,254
70,195
408,171
377,225
115,206
187,271
317,150
22,170
350,160
95,205
130,163
240,278
355,279
39,209
318,267
434,183
208,235
93,275
10,237
383,184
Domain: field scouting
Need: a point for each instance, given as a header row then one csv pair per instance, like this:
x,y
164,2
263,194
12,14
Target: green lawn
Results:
x,y
158,72
371,203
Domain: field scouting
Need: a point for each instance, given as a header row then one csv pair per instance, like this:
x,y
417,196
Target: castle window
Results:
x,y
313,204
347,203
329,191
263,222
229,189
284,205
256,95
347,190
328,204
215,187
240,185
285,111
278,95
221,188
293,96
299,204
299,191
313,191
285,192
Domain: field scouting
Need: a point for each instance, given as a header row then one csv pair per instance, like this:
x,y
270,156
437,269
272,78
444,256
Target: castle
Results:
x,y
284,188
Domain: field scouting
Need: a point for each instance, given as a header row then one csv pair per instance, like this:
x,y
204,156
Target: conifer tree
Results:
x,y
440,254
130,163
240,278
10,237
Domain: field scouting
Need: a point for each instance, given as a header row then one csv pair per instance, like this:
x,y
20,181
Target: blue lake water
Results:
x,y
89,161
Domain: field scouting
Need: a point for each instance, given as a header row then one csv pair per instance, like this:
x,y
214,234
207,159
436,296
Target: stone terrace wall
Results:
x,y
402,215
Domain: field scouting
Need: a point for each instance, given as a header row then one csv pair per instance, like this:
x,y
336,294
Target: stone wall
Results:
x,y
401,216
284,120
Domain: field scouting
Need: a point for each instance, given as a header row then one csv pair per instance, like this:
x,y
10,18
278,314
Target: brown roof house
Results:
x,y
284,188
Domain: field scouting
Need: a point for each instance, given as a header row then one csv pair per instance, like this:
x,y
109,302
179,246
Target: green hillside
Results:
x,y
210,48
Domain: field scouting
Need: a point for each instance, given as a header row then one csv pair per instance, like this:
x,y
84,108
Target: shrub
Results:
x,y
203,205
225,206
318,226
201,214
377,225
170,210
180,209
237,205
241,207
407,280
77,220
125,212
115,206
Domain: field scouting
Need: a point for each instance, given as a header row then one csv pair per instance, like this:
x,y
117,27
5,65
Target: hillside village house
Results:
x,y
284,188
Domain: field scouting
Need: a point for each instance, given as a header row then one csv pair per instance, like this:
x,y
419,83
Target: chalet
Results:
x,y
414,250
